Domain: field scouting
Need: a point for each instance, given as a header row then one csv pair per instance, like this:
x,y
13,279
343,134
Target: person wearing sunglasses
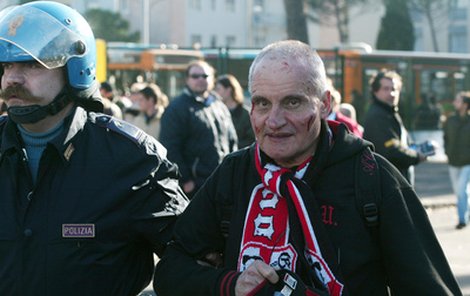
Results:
x,y
197,128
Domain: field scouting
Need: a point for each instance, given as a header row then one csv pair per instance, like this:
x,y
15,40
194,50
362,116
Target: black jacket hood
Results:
x,y
343,144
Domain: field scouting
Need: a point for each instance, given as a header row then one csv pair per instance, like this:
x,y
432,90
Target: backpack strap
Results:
x,y
367,183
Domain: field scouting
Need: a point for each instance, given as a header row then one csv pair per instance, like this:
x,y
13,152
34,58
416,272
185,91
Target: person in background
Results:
x,y
359,102
133,108
197,128
384,127
152,102
86,199
428,114
282,215
457,147
228,87
353,126
349,111
110,107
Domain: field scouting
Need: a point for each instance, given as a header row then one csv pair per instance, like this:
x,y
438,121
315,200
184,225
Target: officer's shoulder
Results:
x,y
118,126
131,132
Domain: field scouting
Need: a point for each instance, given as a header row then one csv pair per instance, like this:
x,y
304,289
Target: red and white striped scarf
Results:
x,y
266,231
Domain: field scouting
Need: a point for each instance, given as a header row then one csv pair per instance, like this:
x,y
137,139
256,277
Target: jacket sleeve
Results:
x,y
158,199
173,134
414,261
387,143
196,234
446,130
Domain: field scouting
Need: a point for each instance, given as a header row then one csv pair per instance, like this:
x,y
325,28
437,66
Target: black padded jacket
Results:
x,y
404,254
104,202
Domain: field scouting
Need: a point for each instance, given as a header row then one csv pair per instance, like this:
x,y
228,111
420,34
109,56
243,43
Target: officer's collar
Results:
x,y
10,138
73,123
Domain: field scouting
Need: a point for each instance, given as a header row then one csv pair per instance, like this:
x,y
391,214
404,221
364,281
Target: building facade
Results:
x,y
255,23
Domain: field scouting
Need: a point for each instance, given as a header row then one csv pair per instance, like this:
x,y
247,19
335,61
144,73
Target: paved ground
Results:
x,y
455,243
434,189
432,184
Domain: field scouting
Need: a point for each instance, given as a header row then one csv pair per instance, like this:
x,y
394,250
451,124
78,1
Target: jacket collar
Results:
x,y
391,109
73,123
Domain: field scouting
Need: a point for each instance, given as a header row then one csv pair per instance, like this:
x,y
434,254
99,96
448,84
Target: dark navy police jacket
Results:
x,y
105,200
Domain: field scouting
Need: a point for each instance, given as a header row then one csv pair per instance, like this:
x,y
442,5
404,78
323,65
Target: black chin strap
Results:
x,y
35,113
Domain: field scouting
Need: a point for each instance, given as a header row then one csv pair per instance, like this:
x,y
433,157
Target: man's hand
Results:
x,y
253,276
422,157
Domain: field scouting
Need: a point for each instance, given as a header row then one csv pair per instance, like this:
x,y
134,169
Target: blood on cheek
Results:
x,y
310,122
256,126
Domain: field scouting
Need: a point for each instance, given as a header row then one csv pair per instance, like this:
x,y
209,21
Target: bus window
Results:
x,y
164,66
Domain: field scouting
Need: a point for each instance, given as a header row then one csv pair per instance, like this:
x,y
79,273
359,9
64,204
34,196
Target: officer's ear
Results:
x,y
325,104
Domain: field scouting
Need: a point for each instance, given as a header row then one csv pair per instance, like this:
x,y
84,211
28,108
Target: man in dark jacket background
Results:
x,y
197,128
284,211
384,127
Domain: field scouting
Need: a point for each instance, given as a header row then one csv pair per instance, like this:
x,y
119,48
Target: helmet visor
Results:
x,y
30,33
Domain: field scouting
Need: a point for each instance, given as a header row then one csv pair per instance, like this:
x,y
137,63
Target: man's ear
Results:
x,y
326,104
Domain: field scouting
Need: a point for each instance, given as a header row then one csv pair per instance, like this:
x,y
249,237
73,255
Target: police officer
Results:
x,y
85,199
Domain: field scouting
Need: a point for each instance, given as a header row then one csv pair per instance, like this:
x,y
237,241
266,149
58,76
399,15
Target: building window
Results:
x,y
260,41
259,3
230,5
230,41
213,41
195,4
124,6
458,13
196,40
458,39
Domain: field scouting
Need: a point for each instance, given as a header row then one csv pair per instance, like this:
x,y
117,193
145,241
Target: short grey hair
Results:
x,y
300,52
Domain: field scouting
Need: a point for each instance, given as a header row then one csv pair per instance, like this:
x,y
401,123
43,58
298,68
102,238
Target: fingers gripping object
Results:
x,y
289,284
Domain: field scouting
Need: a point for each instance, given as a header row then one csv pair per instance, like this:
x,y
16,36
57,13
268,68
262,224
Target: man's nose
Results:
x,y
14,75
276,118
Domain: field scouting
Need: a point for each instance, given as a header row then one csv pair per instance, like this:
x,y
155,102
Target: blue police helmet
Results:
x,y
54,35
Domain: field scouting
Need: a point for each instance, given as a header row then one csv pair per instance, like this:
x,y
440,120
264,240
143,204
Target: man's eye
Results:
x,y
260,103
263,103
293,102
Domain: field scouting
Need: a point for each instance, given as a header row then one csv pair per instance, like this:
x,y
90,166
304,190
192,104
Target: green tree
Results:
x,y
336,11
396,29
296,20
110,26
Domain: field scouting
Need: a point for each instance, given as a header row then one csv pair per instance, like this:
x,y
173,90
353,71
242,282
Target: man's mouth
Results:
x,y
278,135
